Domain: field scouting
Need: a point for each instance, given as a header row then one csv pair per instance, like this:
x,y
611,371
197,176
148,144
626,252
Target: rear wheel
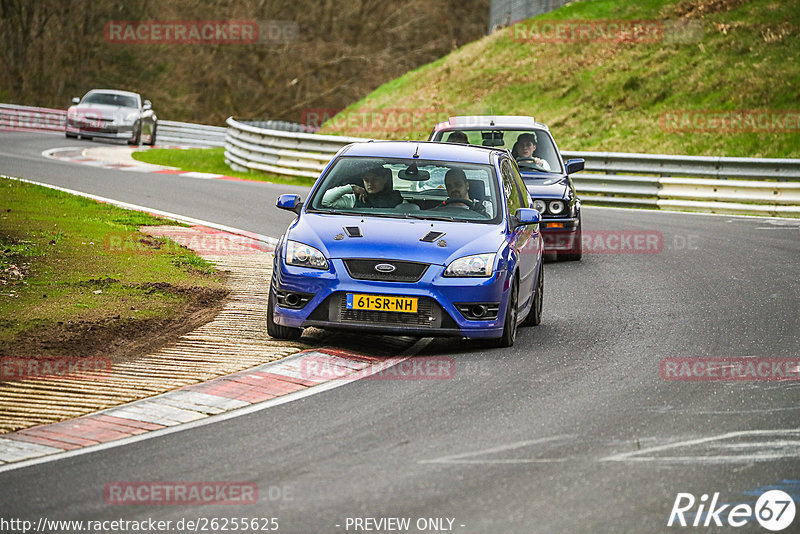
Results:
x,y
535,315
71,135
275,330
510,325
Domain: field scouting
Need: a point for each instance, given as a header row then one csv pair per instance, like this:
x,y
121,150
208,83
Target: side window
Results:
x,y
511,189
523,191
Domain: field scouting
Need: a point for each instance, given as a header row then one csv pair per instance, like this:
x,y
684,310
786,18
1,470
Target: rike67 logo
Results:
x,y
774,510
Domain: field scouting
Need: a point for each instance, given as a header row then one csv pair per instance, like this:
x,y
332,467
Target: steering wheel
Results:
x,y
531,160
471,204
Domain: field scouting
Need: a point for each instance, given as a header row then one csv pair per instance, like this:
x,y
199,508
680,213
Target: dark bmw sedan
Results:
x,y
112,114
546,175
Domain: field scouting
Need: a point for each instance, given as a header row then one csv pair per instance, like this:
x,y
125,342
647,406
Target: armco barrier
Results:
x,y
186,133
755,186
31,119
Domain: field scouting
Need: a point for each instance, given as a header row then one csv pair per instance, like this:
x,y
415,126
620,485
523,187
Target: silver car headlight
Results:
x,y
130,117
302,255
539,205
476,265
556,206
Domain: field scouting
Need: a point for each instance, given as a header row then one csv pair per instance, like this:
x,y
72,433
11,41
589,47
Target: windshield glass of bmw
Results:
x,y
533,149
111,99
422,189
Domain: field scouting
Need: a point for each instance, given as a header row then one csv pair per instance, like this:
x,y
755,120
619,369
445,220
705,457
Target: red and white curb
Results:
x,y
119,158
259,387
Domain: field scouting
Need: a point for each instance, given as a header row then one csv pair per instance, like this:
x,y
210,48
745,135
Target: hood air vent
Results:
x,y
353,231
431,236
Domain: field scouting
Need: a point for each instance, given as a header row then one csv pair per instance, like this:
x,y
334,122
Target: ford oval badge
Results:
x,y
385,268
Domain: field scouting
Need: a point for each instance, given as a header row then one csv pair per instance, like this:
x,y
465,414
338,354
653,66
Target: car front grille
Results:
x,y
404,271
425,316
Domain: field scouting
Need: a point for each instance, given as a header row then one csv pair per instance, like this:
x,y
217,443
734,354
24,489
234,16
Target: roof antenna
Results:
x,y
416,151
491,113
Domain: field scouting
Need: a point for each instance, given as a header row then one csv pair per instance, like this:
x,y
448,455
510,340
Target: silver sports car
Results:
x,y
114,115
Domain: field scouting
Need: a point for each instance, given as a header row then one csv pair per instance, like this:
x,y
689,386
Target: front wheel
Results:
x,y
152,140
137,136
71,135
510,325
275,330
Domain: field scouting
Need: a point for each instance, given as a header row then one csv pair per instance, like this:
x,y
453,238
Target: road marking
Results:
x,y
776,445
463,457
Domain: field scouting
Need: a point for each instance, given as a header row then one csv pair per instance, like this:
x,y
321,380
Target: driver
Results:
x,y
525,147
455,181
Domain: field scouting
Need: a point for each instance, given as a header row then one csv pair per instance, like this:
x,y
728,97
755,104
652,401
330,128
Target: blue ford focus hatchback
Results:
x,y
411,238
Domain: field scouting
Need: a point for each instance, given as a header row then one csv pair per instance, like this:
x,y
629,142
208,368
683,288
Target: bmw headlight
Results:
x,y
556,206
539,205
477,265
302,255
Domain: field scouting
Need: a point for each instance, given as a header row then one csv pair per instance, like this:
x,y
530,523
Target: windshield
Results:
x,y
422,189
534,150
111,99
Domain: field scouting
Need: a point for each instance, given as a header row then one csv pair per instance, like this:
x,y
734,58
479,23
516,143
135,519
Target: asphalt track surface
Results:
x,y
571,430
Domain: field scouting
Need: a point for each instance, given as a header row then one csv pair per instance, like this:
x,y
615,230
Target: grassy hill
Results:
x,y
601,93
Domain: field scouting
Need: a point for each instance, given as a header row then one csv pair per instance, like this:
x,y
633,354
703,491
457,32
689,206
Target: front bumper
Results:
x,y
111,131
439,300
559,234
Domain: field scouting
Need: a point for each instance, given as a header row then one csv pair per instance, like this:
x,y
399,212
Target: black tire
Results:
x,y
510,325
534,317
275,330
575,253
137,136
71,135
152,140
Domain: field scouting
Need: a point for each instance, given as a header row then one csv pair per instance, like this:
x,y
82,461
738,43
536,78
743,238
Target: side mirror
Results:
x,y
575,165
526,216
76,100
147,105
290,202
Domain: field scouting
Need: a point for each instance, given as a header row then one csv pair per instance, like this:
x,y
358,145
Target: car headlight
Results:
x,y
556,206
130,117
302,255
477,265
539,205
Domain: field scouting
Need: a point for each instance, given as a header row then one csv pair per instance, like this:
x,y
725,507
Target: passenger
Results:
x,y
525,147
377,192
458,137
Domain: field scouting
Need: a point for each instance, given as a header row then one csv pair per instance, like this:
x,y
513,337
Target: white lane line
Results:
x,y
174,216
788,449
463,457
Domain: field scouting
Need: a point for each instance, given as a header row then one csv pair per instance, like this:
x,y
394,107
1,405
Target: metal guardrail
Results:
x,y
31,119
186,133
755,186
